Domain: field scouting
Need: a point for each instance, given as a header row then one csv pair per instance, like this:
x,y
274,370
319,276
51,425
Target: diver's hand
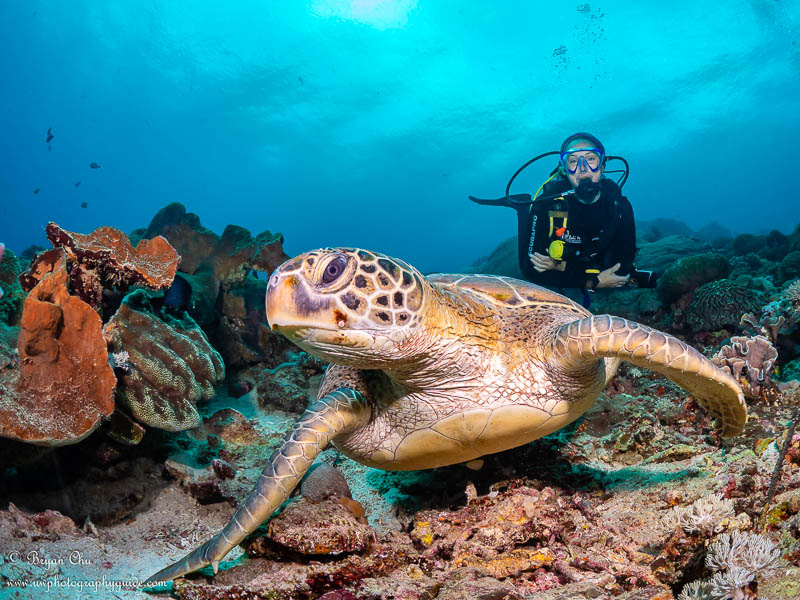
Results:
x,y
545,263
610,279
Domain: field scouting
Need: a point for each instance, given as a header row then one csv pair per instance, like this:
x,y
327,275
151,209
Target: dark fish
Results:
x,y
77,183
36,191
300,79
50,135
178,296
84,205
94,165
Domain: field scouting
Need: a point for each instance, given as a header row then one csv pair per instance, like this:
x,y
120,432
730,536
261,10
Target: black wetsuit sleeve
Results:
x,y
625,240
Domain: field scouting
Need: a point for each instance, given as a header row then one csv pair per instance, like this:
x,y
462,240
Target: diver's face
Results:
x,y
583,163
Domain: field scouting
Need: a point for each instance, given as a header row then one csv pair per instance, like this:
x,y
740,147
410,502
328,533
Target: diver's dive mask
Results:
x,y
582,159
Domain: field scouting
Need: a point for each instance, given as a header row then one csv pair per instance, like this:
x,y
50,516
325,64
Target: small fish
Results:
x,y
36,191
50,135
77,184
94,165
300,79
179,295
84,205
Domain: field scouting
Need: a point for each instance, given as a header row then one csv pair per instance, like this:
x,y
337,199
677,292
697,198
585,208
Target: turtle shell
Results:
x,y
504,291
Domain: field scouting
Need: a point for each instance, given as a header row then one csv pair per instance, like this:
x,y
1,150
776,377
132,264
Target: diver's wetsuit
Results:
x,y
596,236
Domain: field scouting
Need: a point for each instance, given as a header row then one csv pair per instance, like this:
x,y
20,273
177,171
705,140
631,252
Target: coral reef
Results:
x,y
751,360
64,385
719,304
171,364
777,318
228,425
789,267
228,300
289,385
690,273
325,527
11,293
659,255
48,524
105,259
8,346
241,331
735,559
636,304
231,256
702,516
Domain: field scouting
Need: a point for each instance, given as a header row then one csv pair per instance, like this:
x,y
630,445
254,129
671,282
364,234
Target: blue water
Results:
x,y
367,123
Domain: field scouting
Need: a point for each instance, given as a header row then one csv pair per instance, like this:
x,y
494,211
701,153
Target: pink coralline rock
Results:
x,y
326,527
230,426
49,524
750,360
105,258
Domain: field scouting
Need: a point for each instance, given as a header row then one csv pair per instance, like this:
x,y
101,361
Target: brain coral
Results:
x,y
720,303
691,272
171,364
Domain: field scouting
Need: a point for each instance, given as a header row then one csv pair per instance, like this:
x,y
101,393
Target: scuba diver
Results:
x,y
578,229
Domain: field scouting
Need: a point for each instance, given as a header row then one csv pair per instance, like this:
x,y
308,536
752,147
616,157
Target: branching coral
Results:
x,y
751,360
731,584
748,551
702,516
696,590
736,559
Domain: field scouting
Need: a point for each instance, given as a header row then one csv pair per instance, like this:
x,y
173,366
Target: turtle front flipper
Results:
x,y
340,411
605,336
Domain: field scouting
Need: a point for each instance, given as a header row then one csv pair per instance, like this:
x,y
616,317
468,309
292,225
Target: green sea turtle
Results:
x,y
432,371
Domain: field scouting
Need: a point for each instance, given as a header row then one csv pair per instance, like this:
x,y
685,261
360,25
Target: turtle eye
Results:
x,y
334,270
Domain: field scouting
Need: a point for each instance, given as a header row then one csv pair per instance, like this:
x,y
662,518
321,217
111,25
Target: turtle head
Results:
x,y
347,306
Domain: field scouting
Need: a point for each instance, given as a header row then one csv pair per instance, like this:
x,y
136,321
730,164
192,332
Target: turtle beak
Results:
x,y
291,310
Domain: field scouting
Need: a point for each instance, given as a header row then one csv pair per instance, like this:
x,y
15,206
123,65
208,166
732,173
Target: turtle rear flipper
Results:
x,y
605,336
340,411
